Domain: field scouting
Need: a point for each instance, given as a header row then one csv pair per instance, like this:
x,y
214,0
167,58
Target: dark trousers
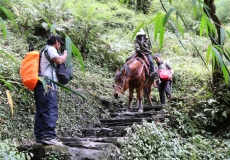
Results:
x,y
164,88
46,113
149,57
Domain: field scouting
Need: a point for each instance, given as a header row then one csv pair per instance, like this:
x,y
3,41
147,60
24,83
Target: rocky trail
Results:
x,y
99,142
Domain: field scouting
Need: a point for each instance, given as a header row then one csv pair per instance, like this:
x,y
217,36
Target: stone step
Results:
x,y
135,109
89,145
83,151
113,140
134,114
123,121
117,131
155,107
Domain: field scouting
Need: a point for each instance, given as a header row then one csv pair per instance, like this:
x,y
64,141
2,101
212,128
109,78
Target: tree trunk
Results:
x,y
217,76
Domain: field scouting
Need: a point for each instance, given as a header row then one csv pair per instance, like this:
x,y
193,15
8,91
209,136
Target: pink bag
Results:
x,y
165,75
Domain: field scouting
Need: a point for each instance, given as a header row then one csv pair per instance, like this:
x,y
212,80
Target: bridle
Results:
x,y
120,86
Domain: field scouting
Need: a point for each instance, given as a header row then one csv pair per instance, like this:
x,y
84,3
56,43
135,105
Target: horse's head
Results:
x,y
121,83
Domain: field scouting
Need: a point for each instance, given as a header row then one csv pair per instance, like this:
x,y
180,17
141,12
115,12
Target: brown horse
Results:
x,y
133,76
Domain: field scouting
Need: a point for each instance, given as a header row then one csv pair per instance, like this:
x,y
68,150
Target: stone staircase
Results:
x,y
100,142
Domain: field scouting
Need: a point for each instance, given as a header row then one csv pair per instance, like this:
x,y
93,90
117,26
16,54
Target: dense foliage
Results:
x,y
102,30
151,141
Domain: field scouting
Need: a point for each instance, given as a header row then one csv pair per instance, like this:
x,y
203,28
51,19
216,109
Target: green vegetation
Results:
x,y
197,120
151,141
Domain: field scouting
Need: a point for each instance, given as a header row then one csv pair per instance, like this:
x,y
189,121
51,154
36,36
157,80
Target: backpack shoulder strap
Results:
x,y
45,50
46,53
48,57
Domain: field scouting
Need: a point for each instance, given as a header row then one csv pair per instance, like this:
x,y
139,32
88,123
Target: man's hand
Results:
x,y
138,51
60,59
65,52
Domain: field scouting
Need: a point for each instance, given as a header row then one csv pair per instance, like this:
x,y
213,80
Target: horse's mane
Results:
x,y
127,69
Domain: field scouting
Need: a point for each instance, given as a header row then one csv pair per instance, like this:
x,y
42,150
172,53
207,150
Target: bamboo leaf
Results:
x,y
217,55
207,31
161,38
68,45
178,14
3,26
167,16
202,25
226,54
180,28
194,10
211,27
150,36
76,52
222,36
8,56
10,102
137,29
9,15
68,89
220,61
225,73
205,7
157,17
42,79
170,1
8,84
156,29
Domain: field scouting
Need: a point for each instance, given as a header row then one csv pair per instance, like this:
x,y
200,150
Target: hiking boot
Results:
x,y
52,142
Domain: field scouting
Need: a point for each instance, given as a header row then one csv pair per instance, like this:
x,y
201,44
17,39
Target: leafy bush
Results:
x,y
152,141
8,150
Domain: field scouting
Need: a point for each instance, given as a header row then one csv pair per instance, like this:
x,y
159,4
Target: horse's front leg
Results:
x,y
130,97
139,99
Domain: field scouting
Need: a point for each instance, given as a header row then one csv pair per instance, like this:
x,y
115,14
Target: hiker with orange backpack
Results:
x,y
165,78
46,102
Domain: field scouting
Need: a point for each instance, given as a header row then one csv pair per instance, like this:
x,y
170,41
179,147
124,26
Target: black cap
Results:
x,y
52,39
156,55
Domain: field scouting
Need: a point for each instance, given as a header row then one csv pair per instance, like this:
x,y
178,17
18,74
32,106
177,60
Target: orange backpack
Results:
x,y
29,69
